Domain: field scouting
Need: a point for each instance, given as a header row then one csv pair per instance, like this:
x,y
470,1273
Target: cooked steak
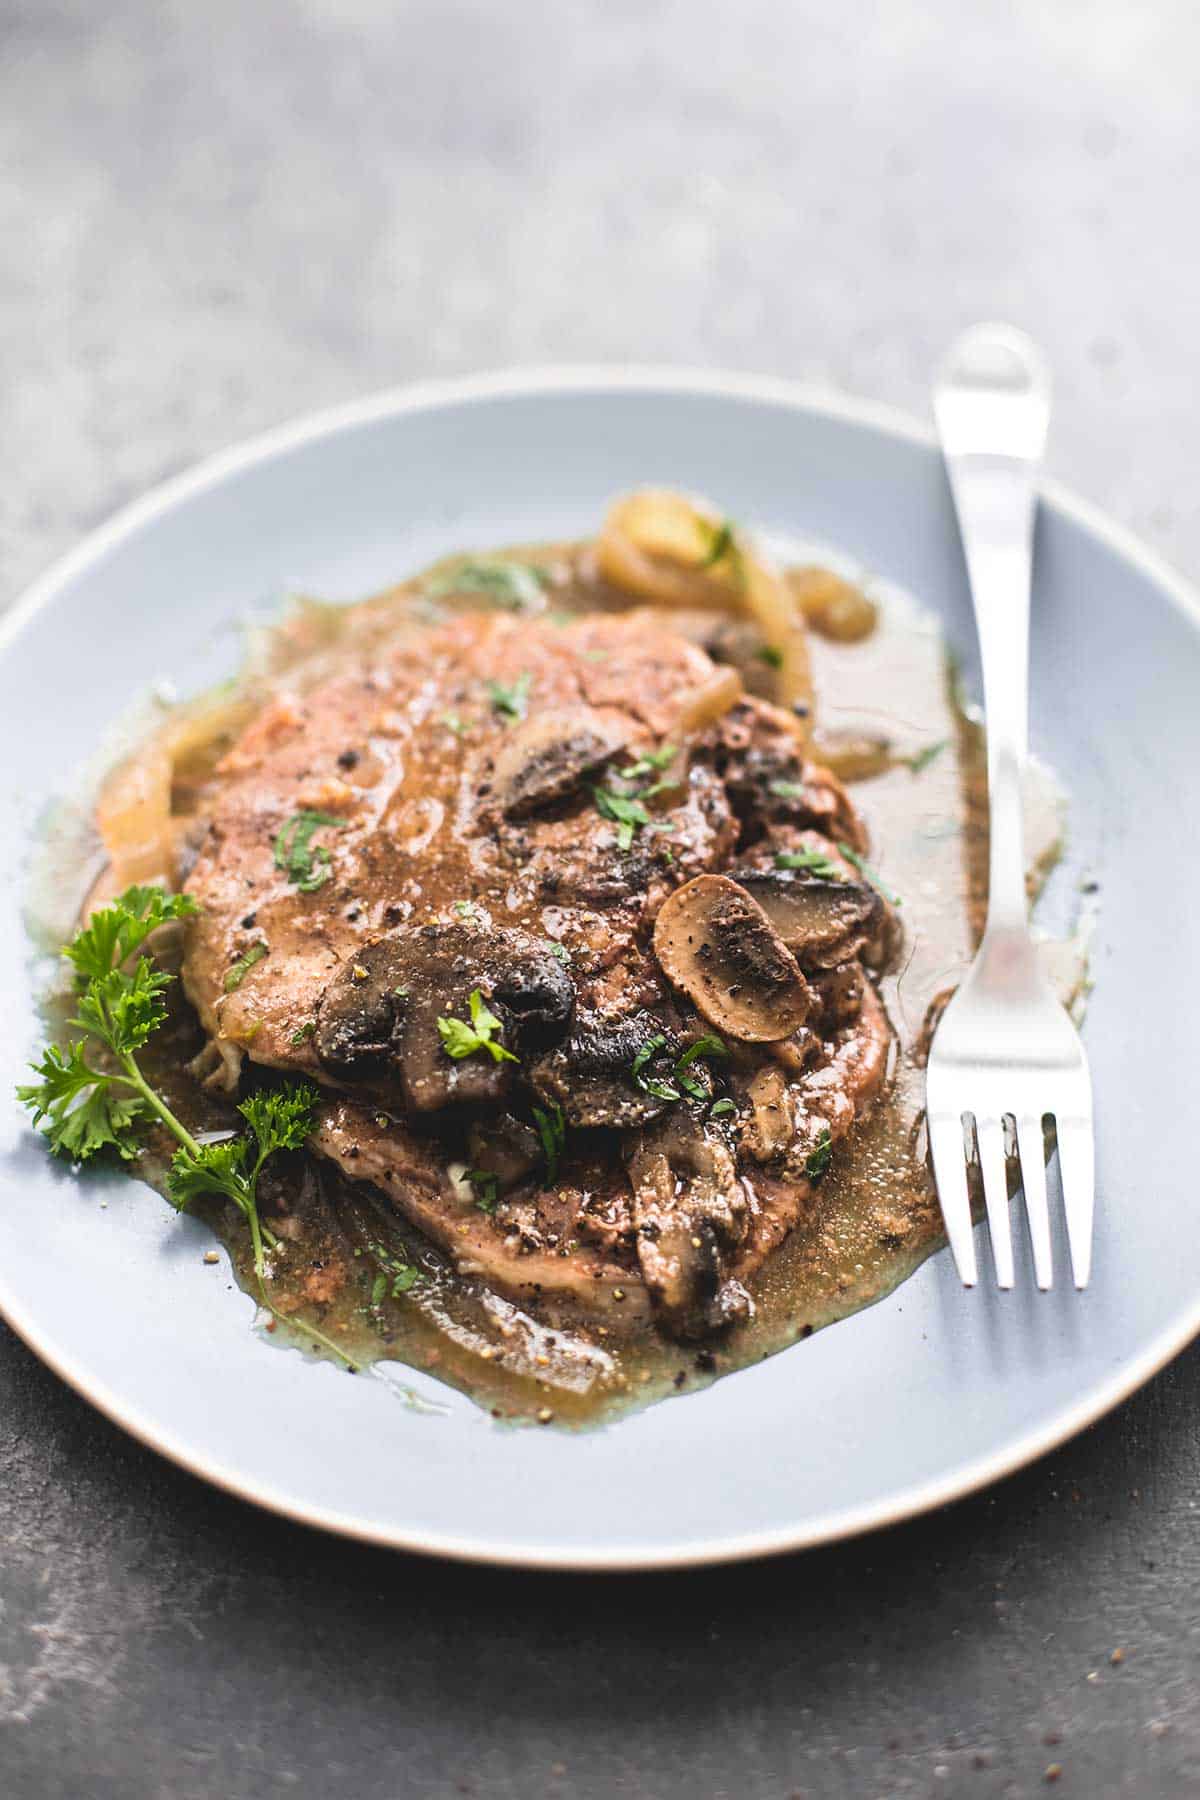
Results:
x,y
510,893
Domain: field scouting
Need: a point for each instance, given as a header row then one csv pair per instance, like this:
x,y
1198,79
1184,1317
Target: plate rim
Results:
x,y
519,382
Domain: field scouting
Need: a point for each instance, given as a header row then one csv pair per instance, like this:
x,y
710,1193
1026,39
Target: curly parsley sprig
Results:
x,y
279,1119
83,1108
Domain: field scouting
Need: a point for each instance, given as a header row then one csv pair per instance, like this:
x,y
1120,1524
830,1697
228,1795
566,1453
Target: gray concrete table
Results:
x,y
215,216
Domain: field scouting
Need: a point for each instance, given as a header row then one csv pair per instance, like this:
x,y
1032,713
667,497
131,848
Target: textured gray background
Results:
x,y
215,216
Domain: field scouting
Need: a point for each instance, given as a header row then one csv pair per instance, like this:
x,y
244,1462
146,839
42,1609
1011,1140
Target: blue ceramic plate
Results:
x,y
923,1397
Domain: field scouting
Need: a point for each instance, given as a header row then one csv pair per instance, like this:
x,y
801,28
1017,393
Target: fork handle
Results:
x,y
992,404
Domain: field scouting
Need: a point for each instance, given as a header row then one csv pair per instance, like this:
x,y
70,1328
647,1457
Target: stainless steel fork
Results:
x,y
1005,1056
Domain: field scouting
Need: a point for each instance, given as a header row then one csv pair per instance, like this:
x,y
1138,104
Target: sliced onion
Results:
x,y
832,606
138,813
133,816
853,755
702,706
664,547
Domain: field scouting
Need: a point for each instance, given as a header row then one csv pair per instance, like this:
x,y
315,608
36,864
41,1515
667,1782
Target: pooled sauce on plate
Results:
x,y
888,719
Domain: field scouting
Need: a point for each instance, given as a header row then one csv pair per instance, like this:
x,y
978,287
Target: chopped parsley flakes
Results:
x,y
721,543
517,585
235,975
649,763
487,1187
808,862
708,1046
651,1084
662,1089
626,811
305,863
552,1130
819,1157
922,758
869,874
511,701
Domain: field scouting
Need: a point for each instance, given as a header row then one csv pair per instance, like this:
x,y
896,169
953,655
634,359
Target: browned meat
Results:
x,y
534,1248
431,883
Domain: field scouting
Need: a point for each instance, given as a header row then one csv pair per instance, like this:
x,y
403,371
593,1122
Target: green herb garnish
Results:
x,y
705,1047
649,762
552,1129
819,1157
303,1032
394,1278
561,951
922,758
626,811
652,1084
305,863
79,1109
708,1046
518,585
487,1187
810,862
279,1119
510,701
83,1109
770,654
721,542
114,932
869,874
453,723
237,973
720,1108
788,790
460,1039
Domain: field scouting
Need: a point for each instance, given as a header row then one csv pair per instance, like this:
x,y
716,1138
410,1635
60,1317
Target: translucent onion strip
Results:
x,y
665,547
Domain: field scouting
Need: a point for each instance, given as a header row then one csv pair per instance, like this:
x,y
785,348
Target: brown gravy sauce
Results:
x,y
888,707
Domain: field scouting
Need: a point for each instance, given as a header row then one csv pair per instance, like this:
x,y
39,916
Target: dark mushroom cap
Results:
x,y
377,1020
590,1074
690,1213
546,757
823,921
716,944
503,1147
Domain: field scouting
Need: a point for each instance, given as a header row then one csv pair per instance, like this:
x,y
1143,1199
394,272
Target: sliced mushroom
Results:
x,y
591,1074
504,1147
739,645
771,1123
840,992
377,1021
690,1212
823,921
771,780
546,756
716,944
